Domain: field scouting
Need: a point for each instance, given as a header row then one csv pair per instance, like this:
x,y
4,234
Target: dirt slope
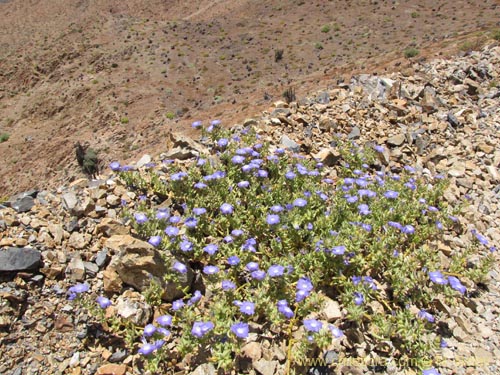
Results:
x,y
121,74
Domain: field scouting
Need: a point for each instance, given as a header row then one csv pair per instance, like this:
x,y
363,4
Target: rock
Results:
x,y
112,369
109,227
113,200
323,98
182,147
330,310
57,232
329,157
23,204
101,258
76,268
249,122
396,140
69,201
452,119
79,240
252,350
132,306
19,259
91,269
138,264
289,144
118,356
112,281
205,369
265,367
143,161
355,133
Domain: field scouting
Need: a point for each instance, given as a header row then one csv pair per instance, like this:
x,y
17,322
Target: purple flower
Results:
x,y
210,270
437,278
431,371
171,231
115,166
456,284
174,219
299,202
228,285
222,142
284,309
425,315
358,298
191,222
336,332
149,330
364,209
277,208
199,211
262,173
312,325
154,240
177,304
252,266
482,239
240,330
178,176
304,284
77,289
408,229
228,239
185,245
275,270
258,275
351,198
162,215
238,159
301,295
195,297
211,249
200,185
243,184
290,175
200,328
140,217
196,124
391,194
233,260
179,267
164,320
226,209
338,250
443,343
103,302
147,349
273,219
395,224
247,308
236,232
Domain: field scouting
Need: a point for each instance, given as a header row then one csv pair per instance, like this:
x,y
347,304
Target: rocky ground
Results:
x,y
121,74
441,116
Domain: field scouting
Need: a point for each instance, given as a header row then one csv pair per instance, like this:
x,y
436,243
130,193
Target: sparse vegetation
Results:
x,y
318,46
278,55
4,137
325,29
124,120
289,95
496,34
170,115
415,15
411,52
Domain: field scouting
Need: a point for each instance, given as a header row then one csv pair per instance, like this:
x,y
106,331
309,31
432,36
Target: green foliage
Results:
x,y
411,52
495,34
318,46
325,29
366,238
124,120
170,115
4,137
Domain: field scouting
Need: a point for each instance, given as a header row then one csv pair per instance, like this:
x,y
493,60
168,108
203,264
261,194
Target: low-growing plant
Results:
x,y
411,52
4,137
289,95
124,120
325,29
495,34
272,235
278,55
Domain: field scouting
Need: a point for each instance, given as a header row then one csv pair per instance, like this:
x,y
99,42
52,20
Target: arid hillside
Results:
x,y
120,75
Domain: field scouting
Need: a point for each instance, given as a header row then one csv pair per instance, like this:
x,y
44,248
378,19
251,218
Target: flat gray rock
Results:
x,y
19,259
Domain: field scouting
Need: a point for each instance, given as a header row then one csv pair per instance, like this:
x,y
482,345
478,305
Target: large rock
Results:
x,y
19,259
138,263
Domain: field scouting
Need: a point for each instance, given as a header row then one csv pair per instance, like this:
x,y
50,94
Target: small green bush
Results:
x,y
325,29
4,137
170,115
411,52
124,120
496,34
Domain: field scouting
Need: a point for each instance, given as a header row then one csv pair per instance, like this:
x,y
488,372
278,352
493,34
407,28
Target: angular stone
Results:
x,y
205,369
289,144
23,204
265,367
355,133
396,140
328,157
112,282
143,161
112,369
330,310
138,264
109,227
132,306
19,259
69,201
252,350
76,268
